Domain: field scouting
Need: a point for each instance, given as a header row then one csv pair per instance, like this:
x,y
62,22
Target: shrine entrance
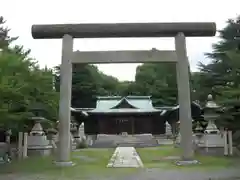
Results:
x,y
179,31
125,125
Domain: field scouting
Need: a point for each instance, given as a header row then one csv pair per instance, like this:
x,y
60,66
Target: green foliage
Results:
x,y
13,89
22,84
157,80
5,39
221,77
88,83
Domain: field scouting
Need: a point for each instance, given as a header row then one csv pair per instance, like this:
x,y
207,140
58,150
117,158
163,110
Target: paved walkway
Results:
x,y
125,157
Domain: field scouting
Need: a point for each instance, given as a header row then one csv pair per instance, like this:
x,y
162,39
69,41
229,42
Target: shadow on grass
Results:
x,y
156,158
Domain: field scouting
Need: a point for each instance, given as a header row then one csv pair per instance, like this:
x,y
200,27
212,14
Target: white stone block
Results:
x,y
37,141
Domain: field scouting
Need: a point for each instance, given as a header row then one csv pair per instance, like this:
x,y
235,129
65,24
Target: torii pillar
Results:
x,y
67,32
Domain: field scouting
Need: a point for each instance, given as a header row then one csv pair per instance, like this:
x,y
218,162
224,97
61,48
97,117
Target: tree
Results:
x,y
12,86
229,94
199,91
22,83
218,72
157,80
221,77
5,39
88,83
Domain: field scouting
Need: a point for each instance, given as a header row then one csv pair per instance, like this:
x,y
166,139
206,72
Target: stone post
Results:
x,y
20,147
225,143
64,150
25,144
184,97
230,145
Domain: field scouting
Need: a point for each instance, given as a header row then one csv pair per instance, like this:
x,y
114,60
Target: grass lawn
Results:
x,y
154,158
83,168
93,162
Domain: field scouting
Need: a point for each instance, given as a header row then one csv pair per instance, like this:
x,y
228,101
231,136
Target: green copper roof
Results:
x,y
112,104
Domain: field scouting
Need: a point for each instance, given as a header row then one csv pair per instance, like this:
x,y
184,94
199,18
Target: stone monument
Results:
x,y
37,140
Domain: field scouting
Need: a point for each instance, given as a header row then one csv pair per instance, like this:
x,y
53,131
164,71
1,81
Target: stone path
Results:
x,y
125,157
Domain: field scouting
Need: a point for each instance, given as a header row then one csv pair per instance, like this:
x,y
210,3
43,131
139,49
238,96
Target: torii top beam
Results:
x,y
57,31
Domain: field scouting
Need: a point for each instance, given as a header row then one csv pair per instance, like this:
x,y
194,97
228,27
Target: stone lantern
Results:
x,y
51,133
198,133
212,138
73,143
74,128
210,115
37,129
8,136
198,129
75,138
168,130
37,142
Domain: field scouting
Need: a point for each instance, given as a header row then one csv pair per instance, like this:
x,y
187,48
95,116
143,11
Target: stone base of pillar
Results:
x,y
187,162
64,163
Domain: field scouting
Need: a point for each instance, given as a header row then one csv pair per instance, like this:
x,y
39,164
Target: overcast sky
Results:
x,y
21,14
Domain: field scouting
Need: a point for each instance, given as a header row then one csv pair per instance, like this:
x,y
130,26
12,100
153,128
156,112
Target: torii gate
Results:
x,y
67,32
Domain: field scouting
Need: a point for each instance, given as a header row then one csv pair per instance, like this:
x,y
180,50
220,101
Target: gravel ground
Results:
x,y
146,174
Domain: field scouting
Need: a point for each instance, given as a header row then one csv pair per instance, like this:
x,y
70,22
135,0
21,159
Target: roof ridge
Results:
x,y
138,97
124,99
108,97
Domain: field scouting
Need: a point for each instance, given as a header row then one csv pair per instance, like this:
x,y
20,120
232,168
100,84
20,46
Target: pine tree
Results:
x,y
222,75
5,39
229,94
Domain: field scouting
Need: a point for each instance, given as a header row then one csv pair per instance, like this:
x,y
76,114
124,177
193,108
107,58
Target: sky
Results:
x,y
22,14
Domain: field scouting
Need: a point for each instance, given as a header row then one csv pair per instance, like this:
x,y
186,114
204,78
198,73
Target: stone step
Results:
x,y
111,144
138,145
106,144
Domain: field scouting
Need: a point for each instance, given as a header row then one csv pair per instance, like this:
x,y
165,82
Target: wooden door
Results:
x,y
124,125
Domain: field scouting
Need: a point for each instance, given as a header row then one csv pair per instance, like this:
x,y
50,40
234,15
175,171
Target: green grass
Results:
x,y
154,158
151,157
83,168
